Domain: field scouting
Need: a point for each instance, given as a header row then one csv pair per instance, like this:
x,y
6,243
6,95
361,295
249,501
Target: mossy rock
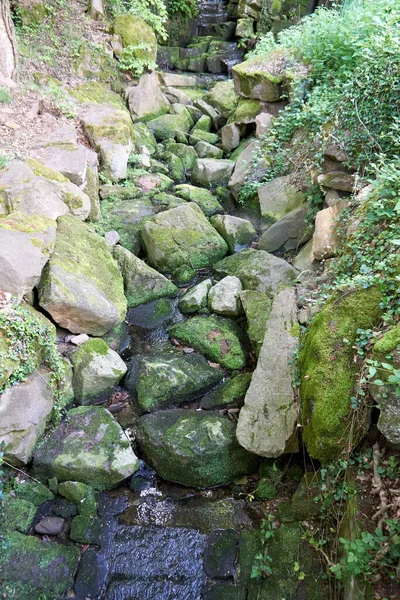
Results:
x,y
187,154
167,127
306,503
98,93
246,111
164,201
34,492
257,307
81,495
36,568
142,136
229,394
135,32
204,199
220,339
17,515
222,97
198,135
328,373
194,448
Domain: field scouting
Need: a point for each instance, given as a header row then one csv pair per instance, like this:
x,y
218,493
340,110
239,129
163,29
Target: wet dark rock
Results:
x,y
143,479
220,554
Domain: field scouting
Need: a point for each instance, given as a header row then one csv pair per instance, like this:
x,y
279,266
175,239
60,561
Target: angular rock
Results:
x,y
220,339
167,127
165,382
187,154
193,448
176,96
257,307
257,270
288,233
143,138
68,159
81,286
268,418
146,100
337,180
182,237
109,130
238,233
304,260
230,137
243,167
89,446
26,242
206,150
220,554
96,371
263,123
141,283
209,172
223,298
328,374
277,198
24,410
324,241
229,394
222,97
204,199
196,299
198,135
204,123
177,80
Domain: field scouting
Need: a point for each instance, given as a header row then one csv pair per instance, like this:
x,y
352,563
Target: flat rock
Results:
x,y
230,394
223,298
50,526
81,286
337,180
205,200
89,446
277,198
209,172
324,241
288,233
68,159
267,420
196,298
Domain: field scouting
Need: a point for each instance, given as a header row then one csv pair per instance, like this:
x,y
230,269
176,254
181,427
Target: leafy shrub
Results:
x,y
154,12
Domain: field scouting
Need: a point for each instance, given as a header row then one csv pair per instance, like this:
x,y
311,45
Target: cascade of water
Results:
x,y
211,12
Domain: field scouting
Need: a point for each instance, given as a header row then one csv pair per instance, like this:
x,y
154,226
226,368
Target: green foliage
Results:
x,y
154,12
5,96
262,562
4,160
128,60
186,8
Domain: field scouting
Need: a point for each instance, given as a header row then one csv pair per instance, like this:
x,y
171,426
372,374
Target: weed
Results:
x,y
5,96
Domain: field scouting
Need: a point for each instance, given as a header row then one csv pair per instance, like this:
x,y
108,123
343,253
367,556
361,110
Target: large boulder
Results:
x,y
197,449
324,241
88,446
257,270
222,97
167,127
268,418
81,286
109,130
288,233
182,238
238,233
68,159
277,198
328,374
136,35
34,189
26,242
141,283
146,100
96,371
219,338
211,172
24,410
165,382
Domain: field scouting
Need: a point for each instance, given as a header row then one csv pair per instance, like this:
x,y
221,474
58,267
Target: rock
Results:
x,y
328,374
182,237
198,135
177,80
50,526
112,238
238,233
337,180
68,159
80,339
187,154
109,130
257,307
146,100
17,514
305,501
81,286
196,299
24,410
96,371
267,420
206,150
246,112
387,350
243,167
127,215
288,233
230,137
244,28
176,170
204,123
220,339
26,243
220,554
81,495
33,189
257,270
164,201
193,448
222,97
263,123
204,199
229,394
165,382
209,172
37,568
141,283
176,96
96,10
261,77
223,298
89,446
324,242
277,198
304,260
137,35
143,138
167,127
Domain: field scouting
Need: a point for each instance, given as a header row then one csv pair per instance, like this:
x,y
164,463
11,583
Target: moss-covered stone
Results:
x,y
194,448
246,111
95,92
220,339
142,136
34,492
176,169
165,201
200,196
198,135
81,286
328,373
204,123
238,233
166,127
136,34
85,530
222,96
229,394
81,495
17,515
257,307
33,14
42,171
306,503
187,154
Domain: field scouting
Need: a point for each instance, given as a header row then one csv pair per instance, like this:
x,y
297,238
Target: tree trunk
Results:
x,y
8,46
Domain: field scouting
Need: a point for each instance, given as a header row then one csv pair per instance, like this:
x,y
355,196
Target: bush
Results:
x,y
154,12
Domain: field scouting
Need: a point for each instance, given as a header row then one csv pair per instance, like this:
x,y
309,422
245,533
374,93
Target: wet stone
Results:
x,y
220,554
50,526
143,479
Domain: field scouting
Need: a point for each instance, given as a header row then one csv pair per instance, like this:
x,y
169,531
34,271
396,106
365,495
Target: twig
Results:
x,y
378,483
19,471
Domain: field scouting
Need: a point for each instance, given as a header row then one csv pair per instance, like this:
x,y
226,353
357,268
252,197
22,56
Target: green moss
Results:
x,y
295,330
246,111
228,395
17,221
34,492
92,91
328,373
135,33
42,171
389,342
17,515
116,128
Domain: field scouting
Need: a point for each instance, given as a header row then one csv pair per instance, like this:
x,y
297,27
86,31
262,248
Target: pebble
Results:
x,y
80,339
112,237
50,526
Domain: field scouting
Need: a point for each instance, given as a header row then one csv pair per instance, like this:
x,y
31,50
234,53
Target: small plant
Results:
x,y
128,61
186,8
4,160
5,96
263,561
